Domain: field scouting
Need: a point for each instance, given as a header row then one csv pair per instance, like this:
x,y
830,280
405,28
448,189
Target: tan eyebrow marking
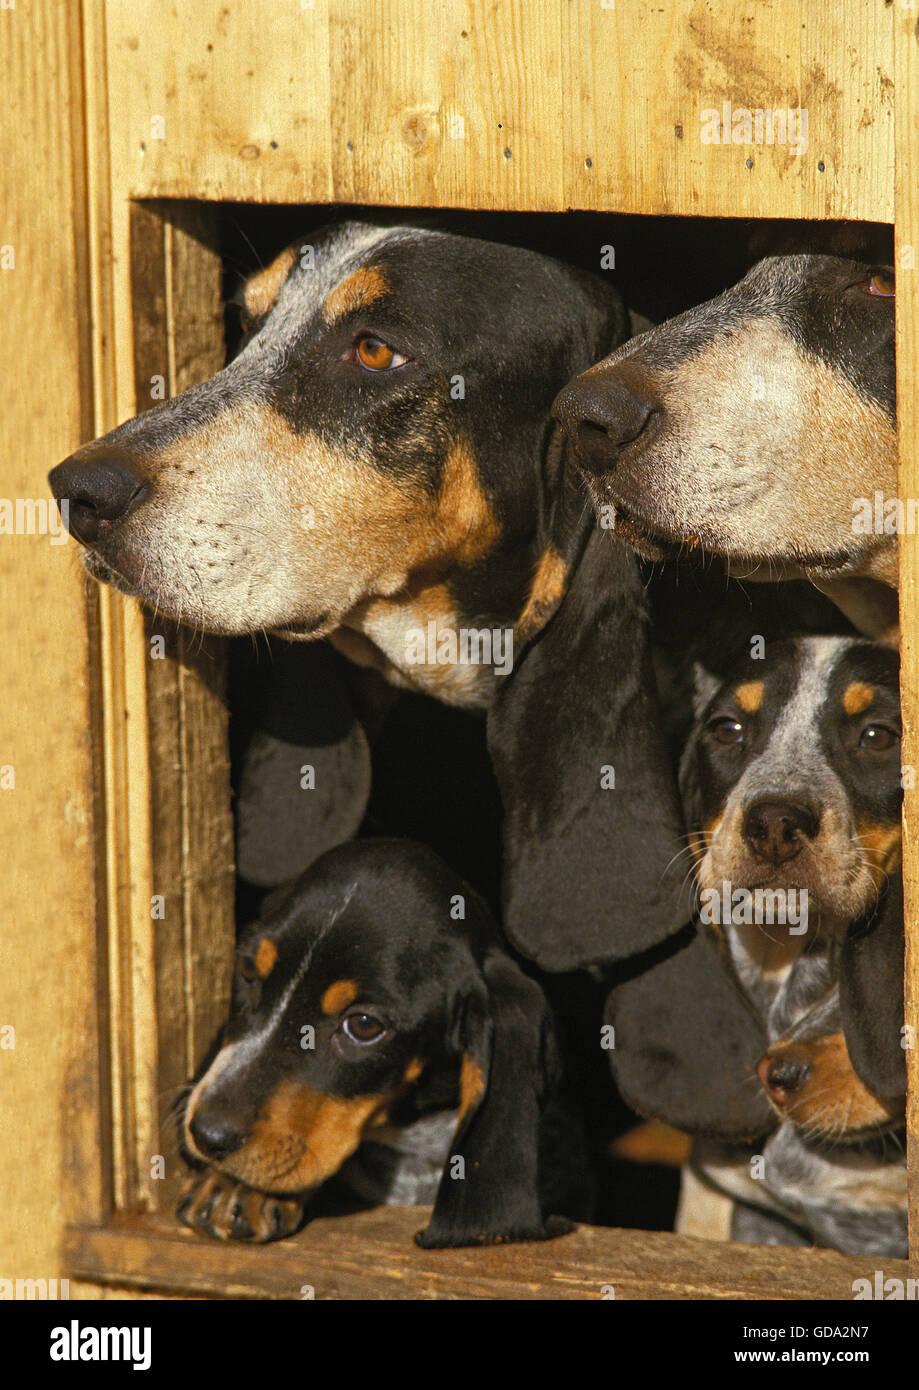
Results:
x,y
358,290
750,696
338,996
857,697
266,956
261,291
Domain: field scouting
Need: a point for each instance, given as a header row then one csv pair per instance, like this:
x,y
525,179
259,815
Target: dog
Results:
x,y
759,427
375,1012
791,782
374,460
379,460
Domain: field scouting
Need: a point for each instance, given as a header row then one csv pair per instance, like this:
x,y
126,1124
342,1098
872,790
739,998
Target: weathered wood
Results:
x,y
53,1130
523,104
372,1255
178,340
907,244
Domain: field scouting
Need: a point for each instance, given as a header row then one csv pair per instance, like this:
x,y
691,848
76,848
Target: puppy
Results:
x,y
792,786
834,1172
759,427
376,1007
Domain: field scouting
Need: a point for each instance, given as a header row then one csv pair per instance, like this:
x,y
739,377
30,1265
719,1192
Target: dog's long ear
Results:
x,y
686,1040
304,772
871,994
592,826
490,1187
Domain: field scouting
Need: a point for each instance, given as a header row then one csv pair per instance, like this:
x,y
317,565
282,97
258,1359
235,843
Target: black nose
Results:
x,y
601,415
100,489
783,1075
214,1132
773,829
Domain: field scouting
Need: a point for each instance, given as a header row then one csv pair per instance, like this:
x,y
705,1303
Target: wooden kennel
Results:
x,y
126,124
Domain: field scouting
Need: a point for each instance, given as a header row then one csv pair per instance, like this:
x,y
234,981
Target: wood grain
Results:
x,y
178,341
53,1125
907,251
519,104
372,1256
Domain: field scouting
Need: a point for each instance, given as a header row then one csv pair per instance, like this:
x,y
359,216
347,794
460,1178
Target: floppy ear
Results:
x,y
490,1188
592,820
871,994
687,1040
304,775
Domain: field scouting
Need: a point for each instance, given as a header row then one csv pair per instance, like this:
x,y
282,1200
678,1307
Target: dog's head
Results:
x,y
381,975
381,435
753,426
810,1080
791,778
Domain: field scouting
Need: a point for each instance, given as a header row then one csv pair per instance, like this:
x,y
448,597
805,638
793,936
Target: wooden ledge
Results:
x,y
372,1255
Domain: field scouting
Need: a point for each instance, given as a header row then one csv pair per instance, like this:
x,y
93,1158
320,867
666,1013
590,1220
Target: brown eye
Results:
x,y
878,738
363,1028
882,283
376,355
726,731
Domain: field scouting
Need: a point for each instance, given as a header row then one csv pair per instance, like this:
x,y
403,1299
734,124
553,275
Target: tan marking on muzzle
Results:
x,y
833,1100
261,290
302,1137
750,396
881,843
359,290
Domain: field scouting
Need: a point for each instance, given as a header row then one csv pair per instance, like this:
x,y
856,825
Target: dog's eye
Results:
x,y
882,283
878,738
363,1028
376,355
726,731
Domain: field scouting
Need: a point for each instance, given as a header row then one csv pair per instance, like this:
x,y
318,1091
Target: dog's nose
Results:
x,y
600,416
773,829
782,1076
100,490
214,1133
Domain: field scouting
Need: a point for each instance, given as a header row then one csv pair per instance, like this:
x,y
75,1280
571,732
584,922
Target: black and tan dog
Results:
x,y
375,1008
379,460
836,1167
759,427
791,782
374,459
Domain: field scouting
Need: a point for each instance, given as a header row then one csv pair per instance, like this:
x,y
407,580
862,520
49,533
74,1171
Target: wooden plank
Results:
x,y
519,104
53,1135
643,75
372,1256
907,252
178,340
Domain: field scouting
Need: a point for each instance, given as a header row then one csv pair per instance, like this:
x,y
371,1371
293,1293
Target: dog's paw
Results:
x,y
228,1210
